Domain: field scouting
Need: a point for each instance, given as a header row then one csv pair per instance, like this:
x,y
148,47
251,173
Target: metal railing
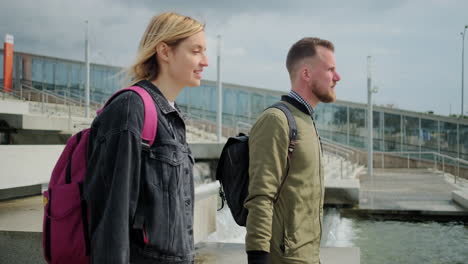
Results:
x,y
240,124
437,159
49,102
344,154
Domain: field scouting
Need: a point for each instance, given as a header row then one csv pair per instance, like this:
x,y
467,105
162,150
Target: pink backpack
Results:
x,y
65,237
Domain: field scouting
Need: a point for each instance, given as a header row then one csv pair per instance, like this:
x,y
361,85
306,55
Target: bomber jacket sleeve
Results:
x,y
268,145
113,180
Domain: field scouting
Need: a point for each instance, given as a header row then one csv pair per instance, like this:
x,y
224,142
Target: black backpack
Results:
x,y
233,169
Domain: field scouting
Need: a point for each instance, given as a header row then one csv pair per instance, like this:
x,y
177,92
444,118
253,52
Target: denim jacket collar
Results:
x,y
159,98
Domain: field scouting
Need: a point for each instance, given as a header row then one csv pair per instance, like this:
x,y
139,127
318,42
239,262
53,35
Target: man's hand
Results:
x,y
258,257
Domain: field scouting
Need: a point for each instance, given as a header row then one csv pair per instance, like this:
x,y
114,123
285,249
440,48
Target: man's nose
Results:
x,y
336,77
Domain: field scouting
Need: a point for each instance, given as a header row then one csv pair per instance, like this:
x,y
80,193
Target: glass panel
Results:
x,y
229,107
271,100
94,78
110,81
464,142
411,133
242,106
37,76
429,135
357,126
256,104
331,122
61,76
75,80
392,132
323,115
448,138
196,97
376,132
48,74
211,98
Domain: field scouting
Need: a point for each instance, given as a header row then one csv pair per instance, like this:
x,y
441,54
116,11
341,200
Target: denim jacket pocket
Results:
x,y
167,159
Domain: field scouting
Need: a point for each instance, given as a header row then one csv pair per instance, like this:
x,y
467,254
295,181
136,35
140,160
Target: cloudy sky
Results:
x,y
415,44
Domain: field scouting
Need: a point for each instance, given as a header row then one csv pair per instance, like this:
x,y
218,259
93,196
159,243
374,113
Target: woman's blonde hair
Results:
x,y
170,28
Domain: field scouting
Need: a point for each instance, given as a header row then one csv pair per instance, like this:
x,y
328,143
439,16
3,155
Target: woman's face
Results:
x,y
187,60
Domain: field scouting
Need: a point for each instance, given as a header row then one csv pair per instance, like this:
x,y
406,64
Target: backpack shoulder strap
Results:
x,y
291,120
292,141
150,123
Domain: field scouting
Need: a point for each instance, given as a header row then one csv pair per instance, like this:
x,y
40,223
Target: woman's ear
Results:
x,y
162,52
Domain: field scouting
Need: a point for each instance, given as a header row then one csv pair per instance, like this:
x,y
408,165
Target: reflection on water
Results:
x,y
379,241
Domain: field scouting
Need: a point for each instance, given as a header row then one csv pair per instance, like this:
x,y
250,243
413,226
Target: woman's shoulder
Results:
x,y
125,111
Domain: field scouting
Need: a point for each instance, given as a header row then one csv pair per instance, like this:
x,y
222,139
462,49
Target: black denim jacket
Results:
x,y
133,191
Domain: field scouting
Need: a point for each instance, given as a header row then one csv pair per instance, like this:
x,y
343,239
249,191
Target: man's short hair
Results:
x,y
305,48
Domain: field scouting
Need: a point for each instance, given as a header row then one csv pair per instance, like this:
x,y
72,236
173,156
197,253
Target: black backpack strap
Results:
x,y
291,120
292,141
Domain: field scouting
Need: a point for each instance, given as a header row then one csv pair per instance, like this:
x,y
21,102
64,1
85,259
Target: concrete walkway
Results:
x,y
408,191
21,227
232,253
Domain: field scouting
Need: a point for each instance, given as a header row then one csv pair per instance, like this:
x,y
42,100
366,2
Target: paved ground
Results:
x,y
24,214
231,253
407,190
21,227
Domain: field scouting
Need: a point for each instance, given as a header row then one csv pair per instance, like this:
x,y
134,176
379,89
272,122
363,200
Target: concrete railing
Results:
x,y
21,225
23,166
206,202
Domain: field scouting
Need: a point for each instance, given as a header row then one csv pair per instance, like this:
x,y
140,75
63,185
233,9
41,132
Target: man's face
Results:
x,y
323,75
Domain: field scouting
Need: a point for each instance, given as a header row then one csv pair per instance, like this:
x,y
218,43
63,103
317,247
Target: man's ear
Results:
x,y
305,73
162,52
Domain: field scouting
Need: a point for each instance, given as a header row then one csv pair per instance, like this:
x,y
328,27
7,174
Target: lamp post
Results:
x,y
87,68
219,115
370,126
463,65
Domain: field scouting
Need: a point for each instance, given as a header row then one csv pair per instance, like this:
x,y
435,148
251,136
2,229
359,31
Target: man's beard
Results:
x,y
325,96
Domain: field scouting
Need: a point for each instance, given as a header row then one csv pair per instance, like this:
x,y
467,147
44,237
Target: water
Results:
x,y
227,230
397,241
380,242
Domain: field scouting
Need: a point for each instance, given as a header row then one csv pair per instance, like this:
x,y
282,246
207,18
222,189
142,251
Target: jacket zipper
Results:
x,y
320,177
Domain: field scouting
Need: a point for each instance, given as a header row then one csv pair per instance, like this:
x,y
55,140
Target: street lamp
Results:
x,y
370,126
463,64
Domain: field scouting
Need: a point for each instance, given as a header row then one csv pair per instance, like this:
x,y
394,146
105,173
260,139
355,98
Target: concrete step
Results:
x,y
461,198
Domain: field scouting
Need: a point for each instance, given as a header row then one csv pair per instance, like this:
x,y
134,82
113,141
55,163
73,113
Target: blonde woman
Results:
x,y
141,200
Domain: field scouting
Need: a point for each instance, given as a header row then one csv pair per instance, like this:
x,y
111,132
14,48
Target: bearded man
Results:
x,y
287,228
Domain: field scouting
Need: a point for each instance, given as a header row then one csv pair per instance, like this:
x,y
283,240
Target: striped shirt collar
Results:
x,y
301,100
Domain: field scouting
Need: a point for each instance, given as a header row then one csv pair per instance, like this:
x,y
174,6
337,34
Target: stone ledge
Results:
x,y
461,198
342,192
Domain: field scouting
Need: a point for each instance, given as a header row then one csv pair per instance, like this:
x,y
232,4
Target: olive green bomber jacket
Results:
x,y
291,228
